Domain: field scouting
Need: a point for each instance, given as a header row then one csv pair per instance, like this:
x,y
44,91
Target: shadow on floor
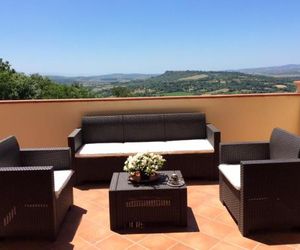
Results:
x,y
277,238
93,185
192,227
65,236
200,182
273,238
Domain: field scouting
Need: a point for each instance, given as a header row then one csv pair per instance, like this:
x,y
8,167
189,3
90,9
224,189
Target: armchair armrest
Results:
x,y
269,193
271,179
28,183
59,158
234,153
75,140
213,135
27,192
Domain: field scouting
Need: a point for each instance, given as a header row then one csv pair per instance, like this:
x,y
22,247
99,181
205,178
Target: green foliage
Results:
x,y
121,92
202,82
18,86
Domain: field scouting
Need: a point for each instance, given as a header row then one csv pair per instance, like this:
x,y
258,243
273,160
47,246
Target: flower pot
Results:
x,y
143,178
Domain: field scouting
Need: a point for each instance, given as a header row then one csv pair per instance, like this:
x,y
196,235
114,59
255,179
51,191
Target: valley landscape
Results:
x,y
190,82
19,86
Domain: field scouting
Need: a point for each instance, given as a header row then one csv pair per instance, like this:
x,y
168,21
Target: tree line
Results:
x,y
19,86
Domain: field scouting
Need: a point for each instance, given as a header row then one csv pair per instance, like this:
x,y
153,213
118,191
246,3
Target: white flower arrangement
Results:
x,y
144,163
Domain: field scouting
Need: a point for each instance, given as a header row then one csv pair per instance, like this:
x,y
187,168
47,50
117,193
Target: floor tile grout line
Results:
x,y
185,244
137,245
98,241
182,242
212,236
232,244
218,239
138,241
215,220
211,248
175,243
90,244
178,241
207,217
92,222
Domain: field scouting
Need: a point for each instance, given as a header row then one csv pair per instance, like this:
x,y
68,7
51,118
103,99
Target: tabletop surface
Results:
x,y
120,182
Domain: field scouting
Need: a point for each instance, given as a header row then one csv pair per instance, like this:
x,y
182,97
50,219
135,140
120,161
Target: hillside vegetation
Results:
x,y
100,79
199,83
16,86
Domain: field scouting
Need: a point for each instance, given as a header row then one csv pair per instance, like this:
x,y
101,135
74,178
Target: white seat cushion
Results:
x,y
232,172
102,148
150,146
161,147
61,178
189,146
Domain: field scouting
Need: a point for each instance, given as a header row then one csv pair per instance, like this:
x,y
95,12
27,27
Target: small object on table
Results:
x,y
175,181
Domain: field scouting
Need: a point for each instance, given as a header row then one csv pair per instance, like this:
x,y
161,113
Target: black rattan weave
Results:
x,y
29,206
145,205
145,127
269,195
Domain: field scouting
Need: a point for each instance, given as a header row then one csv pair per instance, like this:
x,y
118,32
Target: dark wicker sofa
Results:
x,y
259,182
101,146
35,189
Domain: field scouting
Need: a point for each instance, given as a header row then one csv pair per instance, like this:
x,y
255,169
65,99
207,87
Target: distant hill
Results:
x,y
290,70
99,79
191,82
199,83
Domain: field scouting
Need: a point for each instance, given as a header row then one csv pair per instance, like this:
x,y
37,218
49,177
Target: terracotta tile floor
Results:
x,y
86,227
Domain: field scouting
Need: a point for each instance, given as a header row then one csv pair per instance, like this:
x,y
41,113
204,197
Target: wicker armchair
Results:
x,y
35,189
259,182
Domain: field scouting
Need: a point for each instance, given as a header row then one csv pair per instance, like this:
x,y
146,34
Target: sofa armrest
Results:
x,y
75,140
234,153
213,135
59,158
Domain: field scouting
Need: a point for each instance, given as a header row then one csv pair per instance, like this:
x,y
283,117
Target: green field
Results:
x,y
186,83
178,93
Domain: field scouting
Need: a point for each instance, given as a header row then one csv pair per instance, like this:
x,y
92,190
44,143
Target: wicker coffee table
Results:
x,y
142,206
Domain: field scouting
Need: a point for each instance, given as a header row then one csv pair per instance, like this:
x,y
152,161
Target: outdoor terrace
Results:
x,y
210,226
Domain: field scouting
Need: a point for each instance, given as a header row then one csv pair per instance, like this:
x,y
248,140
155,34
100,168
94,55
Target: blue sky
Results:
x,y
90,37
